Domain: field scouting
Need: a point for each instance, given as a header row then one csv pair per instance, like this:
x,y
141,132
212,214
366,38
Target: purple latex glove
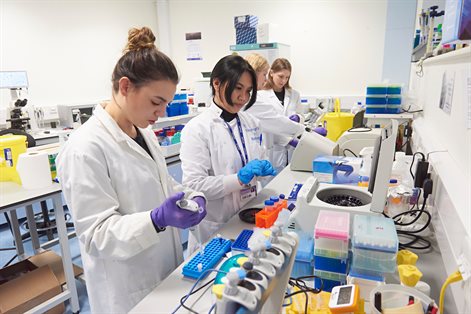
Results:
x,y
295,118
294,142
169,214
201,203
320,130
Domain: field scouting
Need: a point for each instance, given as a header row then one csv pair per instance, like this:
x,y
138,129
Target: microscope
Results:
x,y
16,82
18,118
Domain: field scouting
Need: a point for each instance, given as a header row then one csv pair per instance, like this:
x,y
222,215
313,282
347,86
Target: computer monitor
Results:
x,y
381,166
13,79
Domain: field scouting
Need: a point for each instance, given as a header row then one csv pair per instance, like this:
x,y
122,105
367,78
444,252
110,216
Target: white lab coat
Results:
x,y
110,184
277,127
210,162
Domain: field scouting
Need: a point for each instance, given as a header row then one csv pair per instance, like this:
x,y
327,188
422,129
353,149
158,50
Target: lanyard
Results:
x,y
241,133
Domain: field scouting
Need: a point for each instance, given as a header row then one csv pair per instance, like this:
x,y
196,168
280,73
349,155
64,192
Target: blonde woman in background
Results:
x,y
278,118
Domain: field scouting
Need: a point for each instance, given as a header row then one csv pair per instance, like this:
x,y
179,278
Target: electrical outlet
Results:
x,y
434,177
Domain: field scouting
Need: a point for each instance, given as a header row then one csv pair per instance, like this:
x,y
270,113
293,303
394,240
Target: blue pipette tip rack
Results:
x,y
213,252
241,243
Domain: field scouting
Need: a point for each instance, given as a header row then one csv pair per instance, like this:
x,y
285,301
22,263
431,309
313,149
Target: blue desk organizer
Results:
x,y
213,252
240,244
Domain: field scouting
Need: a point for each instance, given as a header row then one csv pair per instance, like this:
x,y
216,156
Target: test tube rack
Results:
x,y
213,252
241,243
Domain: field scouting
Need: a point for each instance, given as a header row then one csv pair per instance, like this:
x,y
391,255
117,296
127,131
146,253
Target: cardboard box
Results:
x,y
246,35
54,261
337,169
245,21
28,283
26,286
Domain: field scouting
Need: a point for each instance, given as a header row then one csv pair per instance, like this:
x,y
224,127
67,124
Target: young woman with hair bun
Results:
x,y
117,186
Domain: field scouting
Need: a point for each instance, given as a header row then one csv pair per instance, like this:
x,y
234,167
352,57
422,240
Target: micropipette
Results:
x,y
193,207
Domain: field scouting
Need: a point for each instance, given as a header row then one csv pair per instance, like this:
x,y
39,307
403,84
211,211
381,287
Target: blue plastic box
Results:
x,y
330,264
328,284
304,257
376,90
180,96
394,109
184,108
394,100
173,109
394,90
376,100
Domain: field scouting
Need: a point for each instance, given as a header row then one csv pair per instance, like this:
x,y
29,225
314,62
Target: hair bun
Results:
x,y
139,39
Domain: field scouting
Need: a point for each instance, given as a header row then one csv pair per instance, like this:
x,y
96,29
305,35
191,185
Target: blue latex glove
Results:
x,y
320,130
259,168
294,142
169,214
295,118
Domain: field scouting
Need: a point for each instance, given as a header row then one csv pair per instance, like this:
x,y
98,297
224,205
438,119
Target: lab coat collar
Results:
x,y
109,123
113,128
222,113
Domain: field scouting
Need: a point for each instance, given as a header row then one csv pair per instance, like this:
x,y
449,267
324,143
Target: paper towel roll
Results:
x,y
34,170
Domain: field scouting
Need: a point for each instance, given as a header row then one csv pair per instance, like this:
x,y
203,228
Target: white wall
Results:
x,y
399,38
336,46
436,130
68,48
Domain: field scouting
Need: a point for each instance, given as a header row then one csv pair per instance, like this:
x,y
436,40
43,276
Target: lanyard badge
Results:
x,y
241,133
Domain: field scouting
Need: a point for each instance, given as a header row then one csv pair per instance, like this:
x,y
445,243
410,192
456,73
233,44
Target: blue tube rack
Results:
x,y
241,243
213,252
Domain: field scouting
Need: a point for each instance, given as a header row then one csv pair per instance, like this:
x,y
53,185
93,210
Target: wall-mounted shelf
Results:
x,y
171,121
456,56
389,116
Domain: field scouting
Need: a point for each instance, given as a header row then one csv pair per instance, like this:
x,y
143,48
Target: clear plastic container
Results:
x,y
374,233
330,275
397,297
365,283
331,233
374,243
374,261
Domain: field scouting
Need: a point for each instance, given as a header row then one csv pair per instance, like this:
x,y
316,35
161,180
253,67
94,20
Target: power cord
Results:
x,y
454,277
303,288
348,150
413,234
184,298
412,163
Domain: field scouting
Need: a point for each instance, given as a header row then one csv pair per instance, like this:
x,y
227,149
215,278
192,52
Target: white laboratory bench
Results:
x,y
15,196
166,297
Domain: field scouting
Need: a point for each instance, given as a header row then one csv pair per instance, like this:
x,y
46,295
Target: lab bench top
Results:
x,y
166,297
